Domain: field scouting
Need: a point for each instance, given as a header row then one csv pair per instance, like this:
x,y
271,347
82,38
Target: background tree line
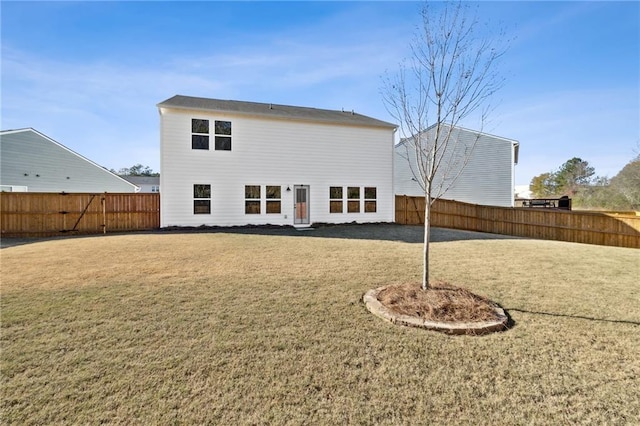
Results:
x,y
135,170
577,179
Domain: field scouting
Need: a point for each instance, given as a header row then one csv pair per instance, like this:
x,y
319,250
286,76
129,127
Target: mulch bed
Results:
x,y
440,303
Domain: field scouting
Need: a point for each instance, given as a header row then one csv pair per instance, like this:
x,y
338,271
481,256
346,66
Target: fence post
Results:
x,y
104,213
406,218
45,214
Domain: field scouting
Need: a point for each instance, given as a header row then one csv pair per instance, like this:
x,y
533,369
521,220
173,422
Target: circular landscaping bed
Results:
x,y
442,307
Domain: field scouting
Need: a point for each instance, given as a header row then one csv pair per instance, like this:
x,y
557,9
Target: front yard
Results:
x,y
251,328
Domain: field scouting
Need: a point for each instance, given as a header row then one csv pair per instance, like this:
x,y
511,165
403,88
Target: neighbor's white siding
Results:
x,y
487,179
37,163
272,152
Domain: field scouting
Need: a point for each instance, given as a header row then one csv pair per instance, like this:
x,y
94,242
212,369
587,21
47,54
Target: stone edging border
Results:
x,y
374,306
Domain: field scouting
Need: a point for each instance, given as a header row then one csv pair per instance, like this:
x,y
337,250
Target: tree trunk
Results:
x,y
427,238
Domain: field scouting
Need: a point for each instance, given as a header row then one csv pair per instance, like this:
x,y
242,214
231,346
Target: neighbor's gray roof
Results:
x,y
273,110
142,180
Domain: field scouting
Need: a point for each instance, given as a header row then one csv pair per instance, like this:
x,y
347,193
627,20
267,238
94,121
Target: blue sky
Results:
x,y
89,74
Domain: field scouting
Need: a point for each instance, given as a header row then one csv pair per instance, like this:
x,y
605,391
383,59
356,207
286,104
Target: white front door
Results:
x,y
301,204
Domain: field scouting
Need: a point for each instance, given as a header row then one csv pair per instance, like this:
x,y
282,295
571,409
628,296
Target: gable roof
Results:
x,y
274,111
24,147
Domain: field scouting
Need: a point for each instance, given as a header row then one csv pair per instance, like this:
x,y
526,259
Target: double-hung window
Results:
x,y
252,199
199,133
274,199
370,200
201,199
222,135
335,199
353,199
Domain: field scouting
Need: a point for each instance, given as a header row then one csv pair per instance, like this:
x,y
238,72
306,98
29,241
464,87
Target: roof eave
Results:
x,y
378,123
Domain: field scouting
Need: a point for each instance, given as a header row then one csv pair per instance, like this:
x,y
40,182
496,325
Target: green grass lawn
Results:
x,y
222,328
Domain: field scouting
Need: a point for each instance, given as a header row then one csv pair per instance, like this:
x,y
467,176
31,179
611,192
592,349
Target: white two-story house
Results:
x,y
229,163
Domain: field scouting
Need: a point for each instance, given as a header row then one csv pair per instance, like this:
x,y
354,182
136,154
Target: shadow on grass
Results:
x,y
511,323
551,314
367,231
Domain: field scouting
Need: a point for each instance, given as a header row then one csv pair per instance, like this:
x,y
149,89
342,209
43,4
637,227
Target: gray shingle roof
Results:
x,y
142,180
273,110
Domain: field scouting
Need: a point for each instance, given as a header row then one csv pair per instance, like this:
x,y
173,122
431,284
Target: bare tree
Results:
x,y
450,77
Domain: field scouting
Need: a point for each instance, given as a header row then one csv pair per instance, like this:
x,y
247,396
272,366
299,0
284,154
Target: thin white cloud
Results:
x,y
99,108
104,107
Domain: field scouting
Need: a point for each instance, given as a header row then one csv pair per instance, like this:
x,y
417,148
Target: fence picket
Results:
x,y
28,214
31,214
610,229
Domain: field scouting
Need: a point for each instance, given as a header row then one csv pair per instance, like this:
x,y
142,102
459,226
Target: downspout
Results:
x,y
393,174
514,162
162,209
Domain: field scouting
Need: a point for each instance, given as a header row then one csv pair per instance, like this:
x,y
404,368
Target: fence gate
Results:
x,y
28,214
82,214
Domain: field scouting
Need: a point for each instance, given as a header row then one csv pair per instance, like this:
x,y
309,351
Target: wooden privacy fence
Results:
x,y
609,229
38,214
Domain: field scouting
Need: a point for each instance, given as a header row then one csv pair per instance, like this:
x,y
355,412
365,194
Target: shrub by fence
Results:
x,y
30,214
622,230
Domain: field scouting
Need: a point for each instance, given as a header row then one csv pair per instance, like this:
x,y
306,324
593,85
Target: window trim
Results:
x,y
368,201
201,201
252,200
273,200
352,201
334,200
221,139
196,135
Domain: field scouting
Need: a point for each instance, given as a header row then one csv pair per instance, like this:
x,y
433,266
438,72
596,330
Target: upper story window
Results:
x,y
223,135
199,134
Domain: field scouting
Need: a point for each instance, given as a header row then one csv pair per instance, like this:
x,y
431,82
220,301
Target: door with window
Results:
x,y
301,204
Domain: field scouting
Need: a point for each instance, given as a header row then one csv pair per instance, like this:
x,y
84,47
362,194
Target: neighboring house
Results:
x,y
147,184
33,162
488,178
524,191
232,163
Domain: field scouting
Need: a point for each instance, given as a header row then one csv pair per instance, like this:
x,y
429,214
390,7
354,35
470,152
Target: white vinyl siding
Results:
x,y
273,151
487,178
34,161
